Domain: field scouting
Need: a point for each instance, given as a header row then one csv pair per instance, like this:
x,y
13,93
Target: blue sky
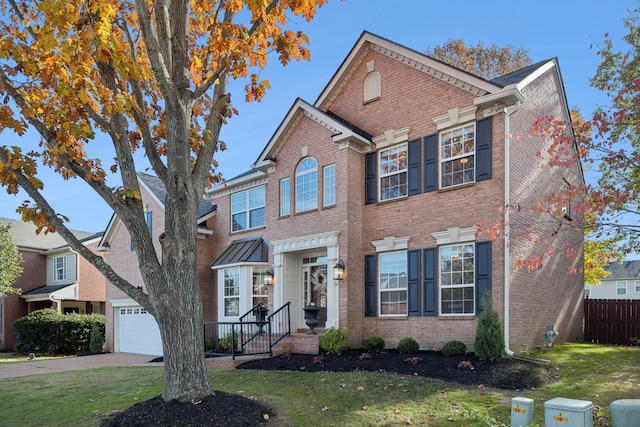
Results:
x,y
546,28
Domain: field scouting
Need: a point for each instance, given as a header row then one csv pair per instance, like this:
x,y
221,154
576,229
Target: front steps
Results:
x,y
298,342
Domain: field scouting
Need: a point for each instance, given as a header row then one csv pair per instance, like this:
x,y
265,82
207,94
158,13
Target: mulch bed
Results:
x,y
230,410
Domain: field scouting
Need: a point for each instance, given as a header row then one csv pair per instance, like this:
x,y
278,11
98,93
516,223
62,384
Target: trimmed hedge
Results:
x,y
49,332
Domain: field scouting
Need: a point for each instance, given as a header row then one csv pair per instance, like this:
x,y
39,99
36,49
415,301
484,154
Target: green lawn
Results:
x,y
600,374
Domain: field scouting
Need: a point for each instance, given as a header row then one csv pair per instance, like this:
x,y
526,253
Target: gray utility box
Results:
x,y
563,412
625,413
521,411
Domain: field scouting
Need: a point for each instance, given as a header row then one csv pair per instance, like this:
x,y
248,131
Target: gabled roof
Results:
x,y
25,237
252,249
342,131
626,270
518,75
368,41
156,188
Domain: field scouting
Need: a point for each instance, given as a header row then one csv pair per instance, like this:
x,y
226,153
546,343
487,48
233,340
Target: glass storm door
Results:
x,y
314,281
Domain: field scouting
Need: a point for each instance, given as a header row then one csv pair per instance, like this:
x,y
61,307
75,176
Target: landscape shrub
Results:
x,y
227,342
454,348
49,332
373,343
408,345
97,339
489,343
332,341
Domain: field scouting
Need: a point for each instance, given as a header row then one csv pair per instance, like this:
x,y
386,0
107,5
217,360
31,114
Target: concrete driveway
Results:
x,y
74,363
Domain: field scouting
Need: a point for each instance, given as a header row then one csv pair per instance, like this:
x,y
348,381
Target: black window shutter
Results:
x,y
371,178
430,282
484,138
413,294
414,167
483,273
370,299
431,163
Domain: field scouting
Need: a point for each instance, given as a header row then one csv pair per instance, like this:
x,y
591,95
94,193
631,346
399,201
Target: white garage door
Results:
x,y
138,332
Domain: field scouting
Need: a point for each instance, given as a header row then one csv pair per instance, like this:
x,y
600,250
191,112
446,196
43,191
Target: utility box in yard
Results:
x,y
625,413
521,411
563,412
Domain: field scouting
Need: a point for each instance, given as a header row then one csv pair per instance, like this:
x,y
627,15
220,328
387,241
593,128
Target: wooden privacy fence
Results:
x,y
611,321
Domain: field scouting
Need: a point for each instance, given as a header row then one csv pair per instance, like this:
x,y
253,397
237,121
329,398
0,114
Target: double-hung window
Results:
x,y
60,270
393,279
621,287
457,156
393,172
307,185
231,291
248,209
457,279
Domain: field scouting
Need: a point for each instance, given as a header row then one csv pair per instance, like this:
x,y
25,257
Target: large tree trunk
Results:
x,y
177,302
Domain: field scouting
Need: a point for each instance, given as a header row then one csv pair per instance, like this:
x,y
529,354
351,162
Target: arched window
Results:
x,y
307,185
372,86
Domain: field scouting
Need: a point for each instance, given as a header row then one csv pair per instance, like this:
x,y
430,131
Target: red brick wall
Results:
x,y
550,294
13,307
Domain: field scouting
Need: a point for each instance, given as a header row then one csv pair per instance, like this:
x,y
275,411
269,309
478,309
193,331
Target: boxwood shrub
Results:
x,y
49,332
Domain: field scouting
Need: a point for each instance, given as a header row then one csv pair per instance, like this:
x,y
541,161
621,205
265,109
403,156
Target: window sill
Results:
x,y
456,187
395,199
247,230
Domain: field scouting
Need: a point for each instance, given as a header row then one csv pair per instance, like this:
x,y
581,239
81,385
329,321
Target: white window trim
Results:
x,y
285,205
248,209
391,243
455,235
440,287
637,285
381,291
57,269
404,170
621,282
325,185
473,154
299,174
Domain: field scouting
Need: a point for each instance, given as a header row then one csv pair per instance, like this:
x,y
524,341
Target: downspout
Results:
x,y
507,217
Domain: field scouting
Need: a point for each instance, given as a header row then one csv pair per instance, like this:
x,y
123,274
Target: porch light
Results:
x,y
268,277
338,271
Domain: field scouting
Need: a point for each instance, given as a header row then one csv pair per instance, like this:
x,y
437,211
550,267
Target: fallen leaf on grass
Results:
x,y
360,388
326,408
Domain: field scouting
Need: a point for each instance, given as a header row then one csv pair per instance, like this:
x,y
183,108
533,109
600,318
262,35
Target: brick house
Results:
x,y
54,276
387,173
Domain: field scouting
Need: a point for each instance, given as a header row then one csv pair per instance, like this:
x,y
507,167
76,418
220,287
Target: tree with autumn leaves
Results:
x,y
148,77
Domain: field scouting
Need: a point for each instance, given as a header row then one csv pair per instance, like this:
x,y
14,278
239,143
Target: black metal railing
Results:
x,y
257,336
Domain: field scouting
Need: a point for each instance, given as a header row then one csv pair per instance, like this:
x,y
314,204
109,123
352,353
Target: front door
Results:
x,y
314,282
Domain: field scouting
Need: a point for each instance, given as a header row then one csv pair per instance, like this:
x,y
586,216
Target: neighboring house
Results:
x,y
130,328
388,174
622,283
54,276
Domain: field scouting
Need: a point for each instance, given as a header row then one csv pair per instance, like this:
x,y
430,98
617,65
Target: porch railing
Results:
x,y
246,336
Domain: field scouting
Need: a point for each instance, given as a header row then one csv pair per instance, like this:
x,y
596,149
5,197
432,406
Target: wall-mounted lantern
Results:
x,y
338,271
268,277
